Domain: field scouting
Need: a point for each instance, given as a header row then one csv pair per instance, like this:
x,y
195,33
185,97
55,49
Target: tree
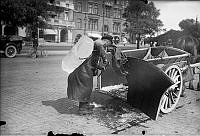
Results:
x,y
190,27
141,19
191,38
23,12
168,38
28,13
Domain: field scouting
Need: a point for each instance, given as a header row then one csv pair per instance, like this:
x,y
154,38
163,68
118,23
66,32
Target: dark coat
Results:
x,y
80,81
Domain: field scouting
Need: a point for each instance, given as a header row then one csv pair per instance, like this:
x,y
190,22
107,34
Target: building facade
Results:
x,y
96,17
61,24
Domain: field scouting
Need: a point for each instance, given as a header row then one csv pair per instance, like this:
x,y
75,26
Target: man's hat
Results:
x,y
108,37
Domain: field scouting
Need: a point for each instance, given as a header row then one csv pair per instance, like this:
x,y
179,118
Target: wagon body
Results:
x,y
154,81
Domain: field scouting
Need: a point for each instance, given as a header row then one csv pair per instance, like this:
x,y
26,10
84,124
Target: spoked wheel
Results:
x,y
10,51
171,97
32,53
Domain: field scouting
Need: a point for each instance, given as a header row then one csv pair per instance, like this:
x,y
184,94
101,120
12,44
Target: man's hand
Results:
x,y
103,68
123,60
105,61
106,64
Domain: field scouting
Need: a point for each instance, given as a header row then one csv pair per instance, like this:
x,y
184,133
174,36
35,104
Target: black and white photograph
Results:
x,y
99,67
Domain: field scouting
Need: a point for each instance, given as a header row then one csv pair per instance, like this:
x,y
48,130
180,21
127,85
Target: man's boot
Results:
x,y
85,108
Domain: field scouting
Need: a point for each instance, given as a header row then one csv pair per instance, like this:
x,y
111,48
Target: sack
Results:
x,y
76,56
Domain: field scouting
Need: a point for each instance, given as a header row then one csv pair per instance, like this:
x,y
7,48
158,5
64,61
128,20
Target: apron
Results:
x,y
80,82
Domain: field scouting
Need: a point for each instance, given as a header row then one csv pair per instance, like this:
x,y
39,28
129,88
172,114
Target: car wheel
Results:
x,y
10,51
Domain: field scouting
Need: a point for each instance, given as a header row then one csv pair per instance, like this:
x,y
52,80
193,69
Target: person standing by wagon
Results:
x,y
80,81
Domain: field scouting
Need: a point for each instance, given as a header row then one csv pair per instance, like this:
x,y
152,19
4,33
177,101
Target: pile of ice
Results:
x,y
96,105
114,87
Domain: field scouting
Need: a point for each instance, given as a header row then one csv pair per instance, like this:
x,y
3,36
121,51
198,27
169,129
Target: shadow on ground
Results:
x,y
62,105
114,113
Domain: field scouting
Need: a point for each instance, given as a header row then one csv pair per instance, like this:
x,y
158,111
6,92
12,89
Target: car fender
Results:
x,y
18,46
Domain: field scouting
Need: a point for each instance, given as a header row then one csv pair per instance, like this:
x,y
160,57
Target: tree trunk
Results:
x,y
138,44
131,37
138,41
1,29
35,38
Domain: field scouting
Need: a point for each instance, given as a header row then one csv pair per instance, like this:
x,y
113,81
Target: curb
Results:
x,y
49,53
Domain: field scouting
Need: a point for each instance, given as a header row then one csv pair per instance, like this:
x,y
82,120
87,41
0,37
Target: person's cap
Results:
x,y
108,37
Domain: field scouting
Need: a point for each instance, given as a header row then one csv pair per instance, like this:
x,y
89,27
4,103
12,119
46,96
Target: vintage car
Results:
x,y
11,45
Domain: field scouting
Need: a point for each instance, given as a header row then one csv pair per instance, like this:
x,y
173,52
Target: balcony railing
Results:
x,y
66,5
61,22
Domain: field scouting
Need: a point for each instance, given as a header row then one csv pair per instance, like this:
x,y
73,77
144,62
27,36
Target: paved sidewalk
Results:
x,y
62,48
48,53
33,102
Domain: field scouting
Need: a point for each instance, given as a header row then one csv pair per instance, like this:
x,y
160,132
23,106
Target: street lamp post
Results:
x,y
85,19
103,18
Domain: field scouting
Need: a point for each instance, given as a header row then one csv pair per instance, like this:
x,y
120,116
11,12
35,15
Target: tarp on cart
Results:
x,y
146,84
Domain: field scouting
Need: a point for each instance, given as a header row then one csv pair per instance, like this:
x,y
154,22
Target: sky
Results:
x,y
172,12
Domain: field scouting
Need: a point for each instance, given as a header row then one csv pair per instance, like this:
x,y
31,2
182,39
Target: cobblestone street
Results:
x,y
33,102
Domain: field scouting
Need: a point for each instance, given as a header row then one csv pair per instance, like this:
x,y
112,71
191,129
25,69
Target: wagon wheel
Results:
x,y
170,98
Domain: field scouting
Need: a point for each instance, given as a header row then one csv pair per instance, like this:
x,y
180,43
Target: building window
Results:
x,y
66,16
92,8
56,21
116,2
108,2
89,7
41,33
123,3
93,24
61,16
106,28
78,6
79,23
95,10
126,3
116,27
50,38
58,3
56,16
116,13
107,11
67,5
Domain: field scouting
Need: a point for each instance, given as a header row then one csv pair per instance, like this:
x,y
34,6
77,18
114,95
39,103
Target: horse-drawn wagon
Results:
x,y
150,79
